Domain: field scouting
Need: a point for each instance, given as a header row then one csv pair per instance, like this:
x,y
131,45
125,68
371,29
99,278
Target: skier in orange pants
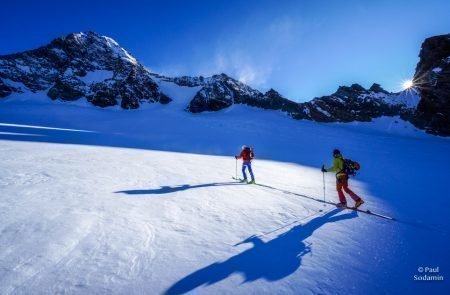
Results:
x,y
342,181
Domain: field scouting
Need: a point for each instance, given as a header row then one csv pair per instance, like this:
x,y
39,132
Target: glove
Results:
x,y
323,168
236,157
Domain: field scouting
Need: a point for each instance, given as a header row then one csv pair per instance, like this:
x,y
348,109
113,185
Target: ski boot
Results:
x,y
251,181
358,203
341,205
243,180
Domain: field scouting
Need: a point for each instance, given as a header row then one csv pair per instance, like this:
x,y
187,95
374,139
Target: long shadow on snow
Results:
x,y
172,189
272,260
294,194
406,222
46,134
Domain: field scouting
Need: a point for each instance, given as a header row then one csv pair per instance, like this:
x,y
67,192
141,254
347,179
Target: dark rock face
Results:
x,y
354,103
5,90
377,88
189,81
66,88
272,100
432,79
82,65
217,92
221,91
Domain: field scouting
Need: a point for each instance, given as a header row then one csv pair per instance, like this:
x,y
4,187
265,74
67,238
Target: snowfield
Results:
x,y
107,201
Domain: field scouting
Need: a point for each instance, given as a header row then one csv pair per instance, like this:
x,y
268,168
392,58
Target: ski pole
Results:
x,y
236,171
323,177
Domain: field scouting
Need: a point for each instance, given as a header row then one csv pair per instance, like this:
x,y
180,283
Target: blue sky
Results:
x,y
302,49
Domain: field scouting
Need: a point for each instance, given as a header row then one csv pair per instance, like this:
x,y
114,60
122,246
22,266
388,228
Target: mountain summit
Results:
x,y
81,65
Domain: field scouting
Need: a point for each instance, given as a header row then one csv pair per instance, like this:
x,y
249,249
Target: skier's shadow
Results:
x,y
176,188
272,260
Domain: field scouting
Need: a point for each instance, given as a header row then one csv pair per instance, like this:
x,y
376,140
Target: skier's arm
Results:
x,y
335,166
240,156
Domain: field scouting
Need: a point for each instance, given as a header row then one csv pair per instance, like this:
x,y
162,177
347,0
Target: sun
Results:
x,y
407,84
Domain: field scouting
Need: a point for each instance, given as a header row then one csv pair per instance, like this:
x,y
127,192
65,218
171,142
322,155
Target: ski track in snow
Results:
x,y
145,203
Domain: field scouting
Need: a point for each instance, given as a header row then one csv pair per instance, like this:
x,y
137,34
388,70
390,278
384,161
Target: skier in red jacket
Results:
x,y
247,157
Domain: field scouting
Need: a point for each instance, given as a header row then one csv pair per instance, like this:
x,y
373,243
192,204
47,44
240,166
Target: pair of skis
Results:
x,y
369,212
241,180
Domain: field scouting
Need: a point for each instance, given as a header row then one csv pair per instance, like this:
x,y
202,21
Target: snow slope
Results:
x,y
106,201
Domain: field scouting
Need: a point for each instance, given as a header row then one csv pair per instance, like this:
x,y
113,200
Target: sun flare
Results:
x,y
407,84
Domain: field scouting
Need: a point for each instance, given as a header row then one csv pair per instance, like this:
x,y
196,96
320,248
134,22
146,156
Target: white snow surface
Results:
x,y
119,51
409,97
97,76
323,111
18,85
144,203
181,95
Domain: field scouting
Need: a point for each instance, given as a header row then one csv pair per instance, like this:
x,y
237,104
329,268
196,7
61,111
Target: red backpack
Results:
x,y
248,154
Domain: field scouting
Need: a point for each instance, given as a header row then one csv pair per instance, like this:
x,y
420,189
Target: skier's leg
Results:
x,y
342,198
354,196
249,165
243,171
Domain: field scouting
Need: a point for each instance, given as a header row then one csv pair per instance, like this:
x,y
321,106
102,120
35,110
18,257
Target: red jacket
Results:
x,y
246,155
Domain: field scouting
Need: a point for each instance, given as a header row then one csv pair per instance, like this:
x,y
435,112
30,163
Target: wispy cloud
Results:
x,y
250,54
241,66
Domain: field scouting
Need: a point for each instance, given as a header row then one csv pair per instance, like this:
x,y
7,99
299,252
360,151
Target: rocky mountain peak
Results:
x,y
377,88
272,93
81,65
348,90
357,87
222,76
433,83
90,51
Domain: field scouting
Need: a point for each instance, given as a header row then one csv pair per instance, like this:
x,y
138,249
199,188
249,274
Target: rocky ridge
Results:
x,y
96,67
